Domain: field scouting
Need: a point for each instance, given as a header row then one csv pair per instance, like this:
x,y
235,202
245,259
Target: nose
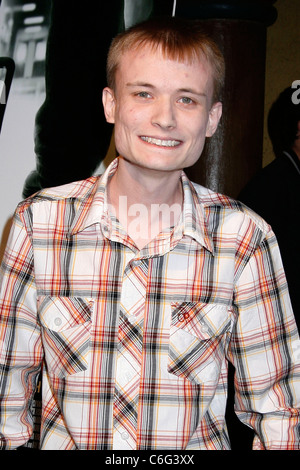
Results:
x,y
164,114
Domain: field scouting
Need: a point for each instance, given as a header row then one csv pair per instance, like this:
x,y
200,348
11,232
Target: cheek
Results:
x,y
198,132
198,136
123,131
128,117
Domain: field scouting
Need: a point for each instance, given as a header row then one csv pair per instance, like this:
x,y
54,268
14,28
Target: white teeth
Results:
x,y
164,143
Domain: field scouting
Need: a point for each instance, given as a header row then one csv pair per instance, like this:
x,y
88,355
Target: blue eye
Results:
x,y
143,94
186,100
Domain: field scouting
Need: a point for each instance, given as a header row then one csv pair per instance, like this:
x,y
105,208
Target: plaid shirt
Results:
x,y
134,344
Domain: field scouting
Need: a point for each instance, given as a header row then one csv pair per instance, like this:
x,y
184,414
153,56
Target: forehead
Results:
x,y
156,64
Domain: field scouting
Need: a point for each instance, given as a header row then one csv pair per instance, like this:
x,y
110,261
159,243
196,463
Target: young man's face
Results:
x,y
162,110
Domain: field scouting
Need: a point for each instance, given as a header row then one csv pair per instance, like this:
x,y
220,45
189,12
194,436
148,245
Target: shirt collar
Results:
x,y
94,204
192,222
193,219
292,156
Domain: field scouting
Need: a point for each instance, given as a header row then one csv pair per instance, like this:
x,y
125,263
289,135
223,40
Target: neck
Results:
x,y
145,186
153,200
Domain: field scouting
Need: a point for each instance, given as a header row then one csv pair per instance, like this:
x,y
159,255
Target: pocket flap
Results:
x,y
61,313
201,320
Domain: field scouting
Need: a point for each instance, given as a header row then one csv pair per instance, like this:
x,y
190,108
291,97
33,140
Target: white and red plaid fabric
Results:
x,y
134,343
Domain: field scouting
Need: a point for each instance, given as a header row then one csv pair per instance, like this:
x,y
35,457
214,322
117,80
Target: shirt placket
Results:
x,y
129,358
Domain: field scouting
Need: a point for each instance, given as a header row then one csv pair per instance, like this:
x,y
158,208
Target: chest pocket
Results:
x,y
66,323
199,335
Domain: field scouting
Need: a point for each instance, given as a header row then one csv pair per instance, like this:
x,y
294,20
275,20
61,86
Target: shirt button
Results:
x,y
58,321
125,436
183,316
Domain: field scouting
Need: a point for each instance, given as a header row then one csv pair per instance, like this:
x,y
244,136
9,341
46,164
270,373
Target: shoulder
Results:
x,y
78,190
228,210
269,180
56,205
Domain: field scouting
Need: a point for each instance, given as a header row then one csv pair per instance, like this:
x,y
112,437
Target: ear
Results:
x,y
214,117
108,100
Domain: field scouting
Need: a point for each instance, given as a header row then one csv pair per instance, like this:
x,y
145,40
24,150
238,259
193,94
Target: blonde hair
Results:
x,y
179,39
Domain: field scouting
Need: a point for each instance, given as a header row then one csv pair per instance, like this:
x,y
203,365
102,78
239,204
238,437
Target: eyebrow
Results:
x,y
143,84
180,90
193,92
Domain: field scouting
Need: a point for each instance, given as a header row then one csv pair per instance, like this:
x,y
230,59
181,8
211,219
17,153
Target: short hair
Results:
x,y
180,39
283,119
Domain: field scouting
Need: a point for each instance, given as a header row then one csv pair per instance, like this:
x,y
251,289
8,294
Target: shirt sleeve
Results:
x,y
265,350
20,343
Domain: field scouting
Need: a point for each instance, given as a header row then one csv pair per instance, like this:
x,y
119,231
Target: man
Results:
x,y
133,327
275,190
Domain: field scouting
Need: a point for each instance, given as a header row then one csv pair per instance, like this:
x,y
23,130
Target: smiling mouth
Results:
x,y
161,142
